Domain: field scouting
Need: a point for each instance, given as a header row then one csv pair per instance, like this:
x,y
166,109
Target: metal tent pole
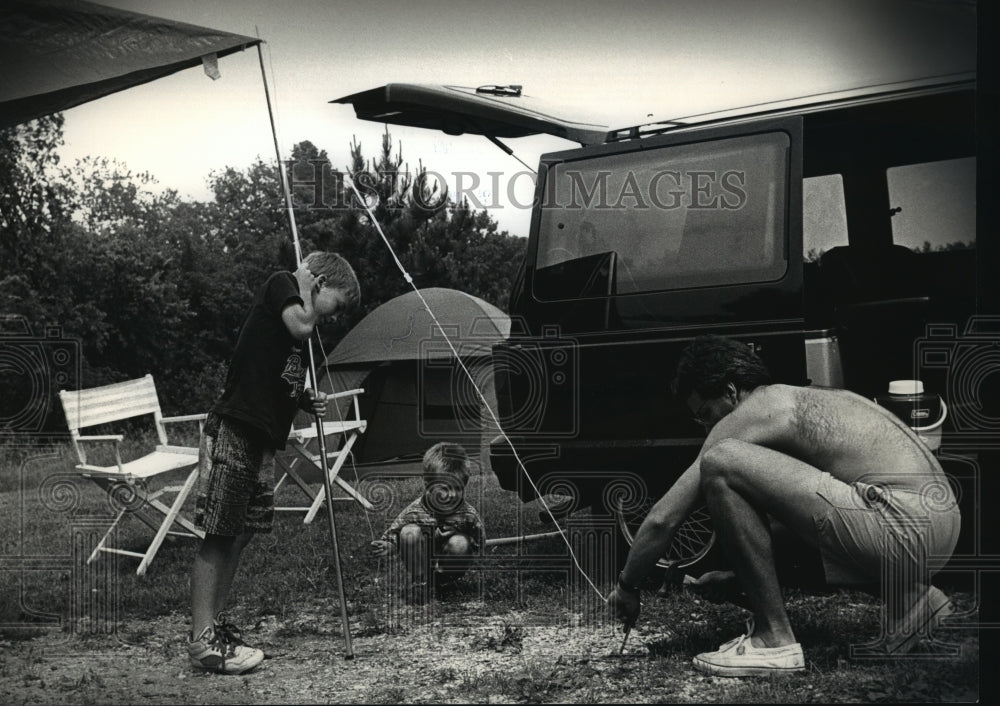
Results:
x,y
348,649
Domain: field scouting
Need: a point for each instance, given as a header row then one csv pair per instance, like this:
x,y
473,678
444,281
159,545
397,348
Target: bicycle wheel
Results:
x,y
692,541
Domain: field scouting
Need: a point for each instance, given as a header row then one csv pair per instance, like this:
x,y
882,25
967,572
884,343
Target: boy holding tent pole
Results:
x,y
265,386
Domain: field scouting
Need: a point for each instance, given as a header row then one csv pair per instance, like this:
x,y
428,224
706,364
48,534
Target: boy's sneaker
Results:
x,y
213,652
230,632
739,658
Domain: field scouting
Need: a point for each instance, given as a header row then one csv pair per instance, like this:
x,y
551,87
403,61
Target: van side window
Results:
x,y
824,216
693,215
936,204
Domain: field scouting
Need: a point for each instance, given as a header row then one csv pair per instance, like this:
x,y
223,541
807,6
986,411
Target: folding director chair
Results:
x,y
130,486
301,465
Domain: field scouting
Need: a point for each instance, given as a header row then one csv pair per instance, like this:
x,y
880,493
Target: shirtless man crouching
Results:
x,y
843,473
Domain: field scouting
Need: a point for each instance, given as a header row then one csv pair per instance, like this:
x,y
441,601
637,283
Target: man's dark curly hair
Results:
x,y
709,363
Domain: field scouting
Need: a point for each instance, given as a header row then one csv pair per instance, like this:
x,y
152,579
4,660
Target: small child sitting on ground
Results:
x,y
440,519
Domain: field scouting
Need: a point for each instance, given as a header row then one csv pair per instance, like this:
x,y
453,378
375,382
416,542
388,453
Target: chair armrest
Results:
x,y
329,429
185,418
105,437
114,438
345,393
186,450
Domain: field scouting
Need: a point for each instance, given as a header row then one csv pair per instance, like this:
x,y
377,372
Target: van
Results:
x,y
830,233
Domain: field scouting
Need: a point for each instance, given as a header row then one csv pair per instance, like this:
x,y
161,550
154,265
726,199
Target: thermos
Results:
x,y
923,412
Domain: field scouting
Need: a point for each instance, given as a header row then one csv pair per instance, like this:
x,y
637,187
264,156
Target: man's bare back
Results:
x,y
809,457
846,435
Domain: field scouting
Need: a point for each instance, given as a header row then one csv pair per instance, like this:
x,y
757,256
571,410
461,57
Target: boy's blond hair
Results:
x,y
447,458
338,272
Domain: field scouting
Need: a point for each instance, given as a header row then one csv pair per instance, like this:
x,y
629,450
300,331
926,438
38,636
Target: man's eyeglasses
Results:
x,y
699,417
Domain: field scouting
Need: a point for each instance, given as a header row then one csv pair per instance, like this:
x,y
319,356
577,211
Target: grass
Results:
x,y
43,499
503,616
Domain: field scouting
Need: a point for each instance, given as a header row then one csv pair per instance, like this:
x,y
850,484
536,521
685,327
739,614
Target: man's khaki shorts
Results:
x,y
866,530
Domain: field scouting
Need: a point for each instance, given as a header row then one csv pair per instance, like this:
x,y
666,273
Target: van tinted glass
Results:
x,y
824,215
937,204
705,214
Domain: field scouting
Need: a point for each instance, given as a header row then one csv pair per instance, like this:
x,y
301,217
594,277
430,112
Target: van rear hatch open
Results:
x,y
494,111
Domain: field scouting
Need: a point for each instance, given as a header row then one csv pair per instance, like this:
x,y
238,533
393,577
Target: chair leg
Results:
x,y
303,486
335,478
289,474
189,526
168,522
190,529
100,545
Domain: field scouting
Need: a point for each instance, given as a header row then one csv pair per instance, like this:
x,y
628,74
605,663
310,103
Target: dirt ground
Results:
x,y
461,653
426,661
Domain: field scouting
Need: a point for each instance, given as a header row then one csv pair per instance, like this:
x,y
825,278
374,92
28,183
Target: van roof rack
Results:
x,y
802,104
513,91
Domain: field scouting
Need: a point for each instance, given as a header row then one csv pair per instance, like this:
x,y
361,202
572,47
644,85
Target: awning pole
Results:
x,y
327,485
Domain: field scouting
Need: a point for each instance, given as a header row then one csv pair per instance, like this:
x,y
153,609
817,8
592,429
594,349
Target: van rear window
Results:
x,y
824,215
934,205
696,215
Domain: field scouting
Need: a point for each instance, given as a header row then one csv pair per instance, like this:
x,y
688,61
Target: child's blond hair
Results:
x,y
338,273
446,458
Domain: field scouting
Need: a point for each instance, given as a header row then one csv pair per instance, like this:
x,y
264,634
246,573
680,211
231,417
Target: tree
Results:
x,y
34,218
438,242
150,283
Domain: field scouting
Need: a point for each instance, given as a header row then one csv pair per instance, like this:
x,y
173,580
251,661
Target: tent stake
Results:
x,y
522,538
327,485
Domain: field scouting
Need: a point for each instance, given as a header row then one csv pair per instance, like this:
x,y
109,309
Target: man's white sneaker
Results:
x,y
739,658
213,652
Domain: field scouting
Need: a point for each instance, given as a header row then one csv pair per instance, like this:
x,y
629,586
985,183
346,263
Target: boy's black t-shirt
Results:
x,y
268,370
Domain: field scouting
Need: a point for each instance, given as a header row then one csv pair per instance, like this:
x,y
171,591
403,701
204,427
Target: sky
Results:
x,y
614,64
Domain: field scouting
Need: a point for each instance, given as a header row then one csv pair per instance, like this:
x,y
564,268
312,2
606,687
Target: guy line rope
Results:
x,y
349,654
409,279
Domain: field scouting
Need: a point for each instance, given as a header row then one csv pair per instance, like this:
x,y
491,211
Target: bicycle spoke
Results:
x,y
693,539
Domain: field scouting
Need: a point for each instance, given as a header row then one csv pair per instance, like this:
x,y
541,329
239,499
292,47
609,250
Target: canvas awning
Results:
x,y
57,54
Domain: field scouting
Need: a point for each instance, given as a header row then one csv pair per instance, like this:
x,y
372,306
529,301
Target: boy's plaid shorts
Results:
x,y
235,479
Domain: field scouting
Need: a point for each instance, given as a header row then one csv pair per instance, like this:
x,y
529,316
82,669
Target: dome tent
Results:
x,y
416,393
